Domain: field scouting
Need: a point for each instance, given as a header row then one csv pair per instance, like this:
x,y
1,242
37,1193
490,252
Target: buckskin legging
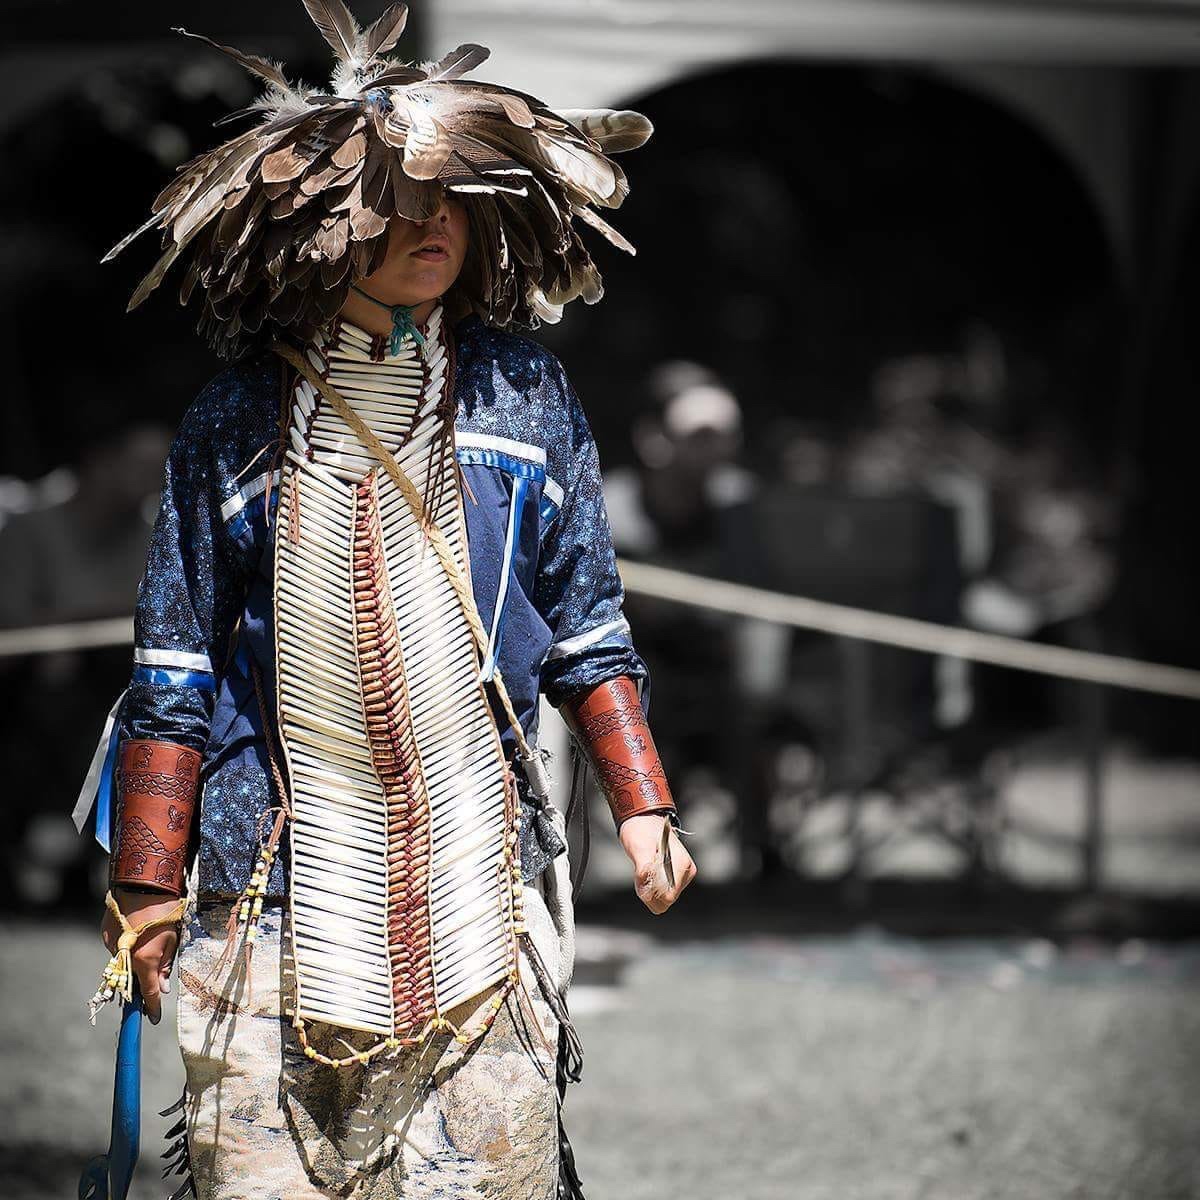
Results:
x,y
447,1121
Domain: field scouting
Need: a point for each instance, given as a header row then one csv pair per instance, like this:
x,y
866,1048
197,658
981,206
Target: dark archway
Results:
x,y
798,223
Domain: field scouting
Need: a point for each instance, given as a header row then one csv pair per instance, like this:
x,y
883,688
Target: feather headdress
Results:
x,y
276,224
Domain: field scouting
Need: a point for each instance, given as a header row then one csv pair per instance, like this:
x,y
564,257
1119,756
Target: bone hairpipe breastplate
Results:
x,y
401,893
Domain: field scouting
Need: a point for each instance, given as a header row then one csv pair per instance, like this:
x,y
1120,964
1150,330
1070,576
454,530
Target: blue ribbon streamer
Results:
x,y
104,792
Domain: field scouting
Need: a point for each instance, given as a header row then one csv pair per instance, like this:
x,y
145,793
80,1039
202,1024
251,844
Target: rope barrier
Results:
x,y
735,599
798,612
58,639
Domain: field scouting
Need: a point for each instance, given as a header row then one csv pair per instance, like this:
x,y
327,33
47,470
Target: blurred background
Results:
x,y
912,328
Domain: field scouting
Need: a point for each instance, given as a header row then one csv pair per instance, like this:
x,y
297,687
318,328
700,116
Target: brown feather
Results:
x,y
458,62
351,151
191,175
427,146
615,131
287,204
596,221
516,110
285,164
399,77
522,239
329,175
484,158
348,199
143,228
254,63
368,218
385,131
385,31
415,199
336,25
333,271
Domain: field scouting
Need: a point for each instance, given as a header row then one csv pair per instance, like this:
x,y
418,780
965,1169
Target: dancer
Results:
x,y
381,537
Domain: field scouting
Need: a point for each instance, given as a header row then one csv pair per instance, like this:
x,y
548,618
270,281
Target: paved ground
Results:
x,y
759,1067
773,1044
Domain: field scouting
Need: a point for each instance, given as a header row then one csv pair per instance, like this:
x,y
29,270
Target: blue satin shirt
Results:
x,y
542,568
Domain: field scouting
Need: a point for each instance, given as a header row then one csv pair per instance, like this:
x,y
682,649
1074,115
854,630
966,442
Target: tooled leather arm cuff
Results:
x,y
157,784
609,725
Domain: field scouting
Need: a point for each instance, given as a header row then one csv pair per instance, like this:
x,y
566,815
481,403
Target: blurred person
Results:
x,y
686,445
668,509
1033,528
379,539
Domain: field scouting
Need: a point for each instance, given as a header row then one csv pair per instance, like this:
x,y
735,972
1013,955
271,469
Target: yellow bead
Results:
x,y
310,1052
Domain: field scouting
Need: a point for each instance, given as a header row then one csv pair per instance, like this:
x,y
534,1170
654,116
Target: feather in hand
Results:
x,y
276,224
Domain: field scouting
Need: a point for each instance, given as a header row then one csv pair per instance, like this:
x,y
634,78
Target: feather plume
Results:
x,y
274,225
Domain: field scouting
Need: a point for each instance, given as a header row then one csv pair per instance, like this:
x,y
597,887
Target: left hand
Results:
x,y
642,837
154,954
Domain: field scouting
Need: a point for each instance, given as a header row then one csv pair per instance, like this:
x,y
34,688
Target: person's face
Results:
x,y
424,257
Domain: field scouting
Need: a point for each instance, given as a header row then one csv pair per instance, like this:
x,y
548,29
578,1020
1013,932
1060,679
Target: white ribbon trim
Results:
x,y
506,566
590,637
243,496
487,441
91,781
145,657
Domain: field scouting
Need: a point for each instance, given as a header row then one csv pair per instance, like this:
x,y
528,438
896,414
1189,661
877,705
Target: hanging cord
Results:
x,y
402,321
117,979
578,801
276,463
437,538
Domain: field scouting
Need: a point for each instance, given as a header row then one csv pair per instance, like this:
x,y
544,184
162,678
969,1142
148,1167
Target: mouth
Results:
x,y
434,250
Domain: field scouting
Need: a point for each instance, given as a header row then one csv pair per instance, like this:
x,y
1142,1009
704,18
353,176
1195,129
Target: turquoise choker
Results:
x,y
402,322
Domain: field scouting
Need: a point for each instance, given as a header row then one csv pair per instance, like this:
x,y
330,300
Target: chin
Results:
x,y
431,281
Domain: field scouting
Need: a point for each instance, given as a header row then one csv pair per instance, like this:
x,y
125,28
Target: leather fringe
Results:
x,y
568,1068
178,1153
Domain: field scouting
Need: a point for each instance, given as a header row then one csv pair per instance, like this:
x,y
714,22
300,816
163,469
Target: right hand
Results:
x,y
154,954
648,839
